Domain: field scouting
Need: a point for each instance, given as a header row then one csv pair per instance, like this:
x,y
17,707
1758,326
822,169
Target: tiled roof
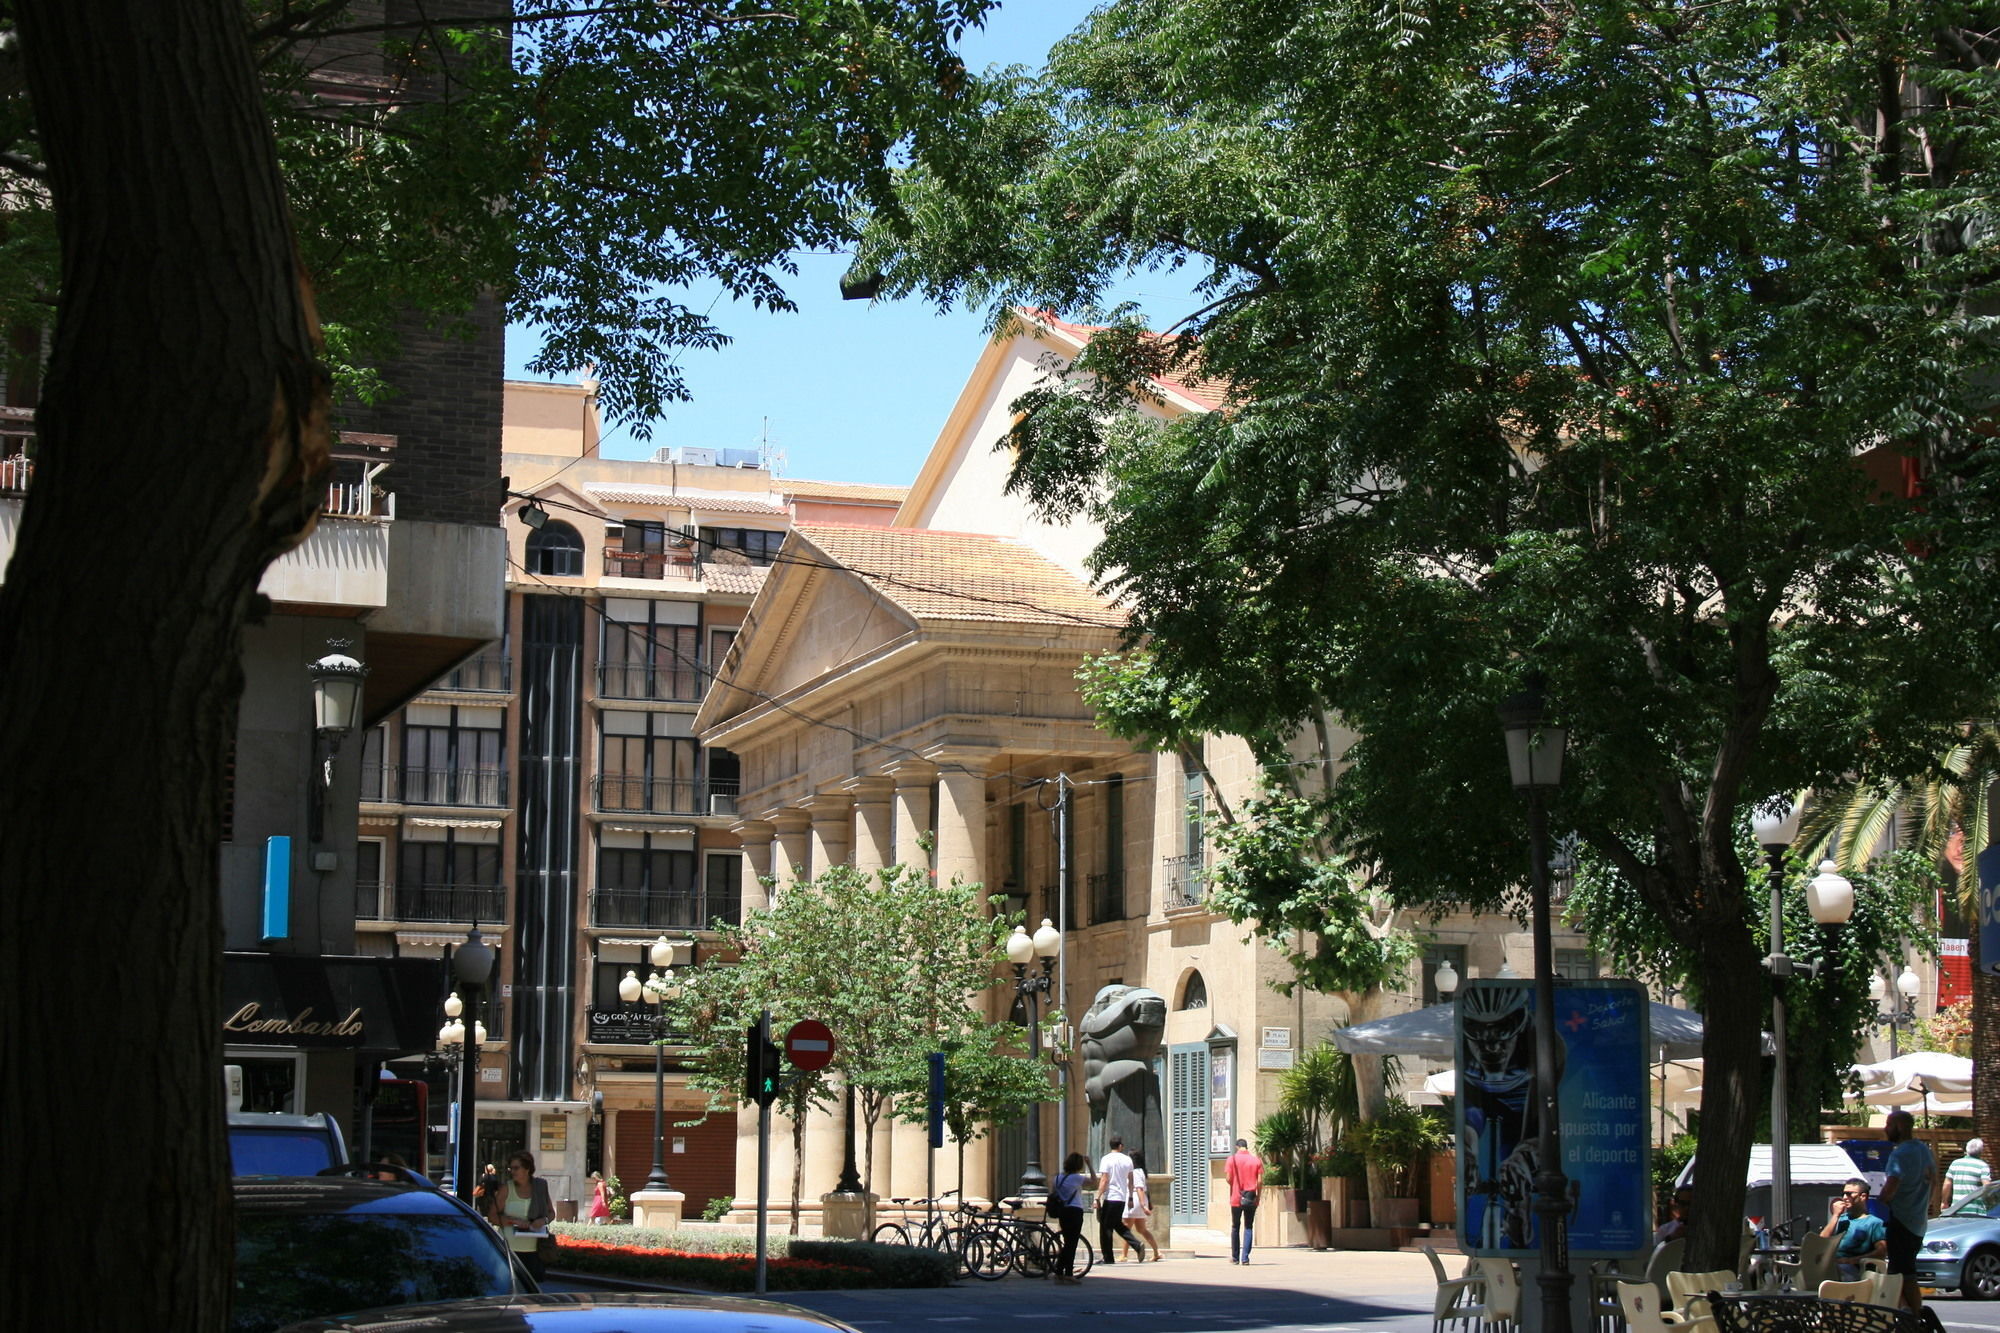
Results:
x,y
842,490
744,579
1209,394
963,576
707,502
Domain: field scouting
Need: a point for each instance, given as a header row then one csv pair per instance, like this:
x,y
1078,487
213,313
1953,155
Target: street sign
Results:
x,y
809,1044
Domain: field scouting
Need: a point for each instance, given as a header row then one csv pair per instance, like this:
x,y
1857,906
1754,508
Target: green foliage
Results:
x,y
1950,1030
1283,1141
1668,1160
699,1241
894,1265
1399,1140
718,1208
615,1198
711,1271
615,161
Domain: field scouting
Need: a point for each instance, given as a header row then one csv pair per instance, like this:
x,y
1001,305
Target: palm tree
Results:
x,y
1945,815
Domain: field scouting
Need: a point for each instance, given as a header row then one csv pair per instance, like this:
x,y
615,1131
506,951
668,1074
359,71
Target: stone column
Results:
x,y
755,835
872,849
961,817
790,851
913,810
831,814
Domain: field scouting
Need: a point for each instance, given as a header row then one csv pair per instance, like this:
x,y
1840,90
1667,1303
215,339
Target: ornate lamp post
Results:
x,y
336,685
1023,949
1534,759
1903,1013
656,990
1830,899
472,966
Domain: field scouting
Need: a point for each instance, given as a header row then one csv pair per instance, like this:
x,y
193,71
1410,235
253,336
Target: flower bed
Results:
x,y
833,1265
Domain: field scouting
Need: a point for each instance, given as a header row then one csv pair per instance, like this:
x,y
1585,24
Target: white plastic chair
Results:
x,y
1645,1313
1862,1292
1459,1300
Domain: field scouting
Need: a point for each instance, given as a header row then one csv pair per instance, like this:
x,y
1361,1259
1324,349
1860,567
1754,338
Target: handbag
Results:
x,y
545,1249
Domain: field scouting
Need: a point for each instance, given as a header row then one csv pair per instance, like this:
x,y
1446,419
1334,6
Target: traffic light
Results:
x,y
763,1064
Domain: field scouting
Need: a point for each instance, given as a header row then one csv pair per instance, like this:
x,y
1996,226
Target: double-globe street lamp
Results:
x,y
655,990
472,967
1023,949
1535,746
1903,1013
1830,900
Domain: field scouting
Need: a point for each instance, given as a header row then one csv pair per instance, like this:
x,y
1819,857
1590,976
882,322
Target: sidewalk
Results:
x,y
1201,1256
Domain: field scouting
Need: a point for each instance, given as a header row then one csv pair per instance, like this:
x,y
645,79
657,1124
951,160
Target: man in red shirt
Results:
x,y
1245,1174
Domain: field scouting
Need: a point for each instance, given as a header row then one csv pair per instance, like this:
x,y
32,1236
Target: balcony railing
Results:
x,y
1182,877
668,911
662,796
1107,897
622,564
376,901
487,673
434,786
680,682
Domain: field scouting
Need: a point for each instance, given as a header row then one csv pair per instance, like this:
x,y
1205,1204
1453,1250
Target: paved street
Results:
x,y
1292,1289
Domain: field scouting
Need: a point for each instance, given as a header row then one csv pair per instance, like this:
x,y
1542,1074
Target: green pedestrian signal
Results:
x,y
762,1064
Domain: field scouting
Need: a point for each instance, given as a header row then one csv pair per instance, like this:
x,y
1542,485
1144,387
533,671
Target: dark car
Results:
x,y
311,1246
267,1144
587,1312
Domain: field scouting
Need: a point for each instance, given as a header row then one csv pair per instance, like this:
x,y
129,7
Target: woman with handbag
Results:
x,y
521,1211
1139,1211
1066,1206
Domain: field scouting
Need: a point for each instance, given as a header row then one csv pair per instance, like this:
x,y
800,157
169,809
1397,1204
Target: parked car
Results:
x,y
268,1144
587,1312
1961,1249
313,1246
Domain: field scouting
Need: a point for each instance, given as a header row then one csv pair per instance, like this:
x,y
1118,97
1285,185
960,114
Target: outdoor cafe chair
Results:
x,y
1644,1312
1797,1312
1689,1291
1818,1262
1863,1291
1459,1300
1888,1288
1503,1290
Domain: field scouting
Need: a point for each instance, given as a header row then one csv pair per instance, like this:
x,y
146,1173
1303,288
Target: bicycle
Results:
x,y
1034,1248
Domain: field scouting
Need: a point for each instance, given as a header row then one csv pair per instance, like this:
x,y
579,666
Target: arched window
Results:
x,y
555,548
1194,995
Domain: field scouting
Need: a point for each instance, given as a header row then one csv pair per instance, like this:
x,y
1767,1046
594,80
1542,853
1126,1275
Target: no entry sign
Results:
x,y
809,1044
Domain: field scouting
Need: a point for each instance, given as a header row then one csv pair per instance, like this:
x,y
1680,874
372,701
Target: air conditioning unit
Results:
x,y
718,804
698,457
664,454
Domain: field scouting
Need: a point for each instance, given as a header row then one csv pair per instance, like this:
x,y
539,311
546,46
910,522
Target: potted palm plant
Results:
x,y
1394,1143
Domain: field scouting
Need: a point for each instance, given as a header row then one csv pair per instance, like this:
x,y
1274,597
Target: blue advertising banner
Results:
x,y
1604,1092
1989,911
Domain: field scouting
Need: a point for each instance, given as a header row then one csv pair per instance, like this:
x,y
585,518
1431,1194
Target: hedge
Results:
x,y
811,1265
705,1241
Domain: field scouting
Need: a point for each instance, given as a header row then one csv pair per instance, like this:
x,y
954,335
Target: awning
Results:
x,y
378,1007
1431,1033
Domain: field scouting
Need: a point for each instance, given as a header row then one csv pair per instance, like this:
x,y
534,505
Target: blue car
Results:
x,y
1961,1249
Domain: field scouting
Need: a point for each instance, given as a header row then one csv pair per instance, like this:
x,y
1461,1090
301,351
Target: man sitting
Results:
x,y
1862,1235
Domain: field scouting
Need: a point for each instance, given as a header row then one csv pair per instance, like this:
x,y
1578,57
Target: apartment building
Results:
x,y
553,791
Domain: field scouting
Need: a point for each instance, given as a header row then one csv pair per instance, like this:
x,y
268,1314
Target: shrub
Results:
x,y
712,1272
896,1265
716,1208
703,1241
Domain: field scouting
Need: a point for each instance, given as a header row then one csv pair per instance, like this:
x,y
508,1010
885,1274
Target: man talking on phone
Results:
x,y
1862,1235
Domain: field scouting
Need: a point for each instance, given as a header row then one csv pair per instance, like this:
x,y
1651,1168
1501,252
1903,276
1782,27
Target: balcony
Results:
x,y
409,785
662,796
376,901
1182,889
623,564
663,911
678,682
487,673
1107,897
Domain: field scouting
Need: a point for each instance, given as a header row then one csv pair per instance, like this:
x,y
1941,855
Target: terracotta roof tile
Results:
x,y
841,490
963,576
706,502
743,579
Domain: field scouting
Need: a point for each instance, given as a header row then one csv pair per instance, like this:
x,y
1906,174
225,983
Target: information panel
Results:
x,y
1604,1093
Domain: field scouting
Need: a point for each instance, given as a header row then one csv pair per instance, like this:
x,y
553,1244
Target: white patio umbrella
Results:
x,y
1431,1033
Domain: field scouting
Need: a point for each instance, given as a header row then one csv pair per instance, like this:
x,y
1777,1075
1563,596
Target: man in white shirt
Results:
x,y
1114,1191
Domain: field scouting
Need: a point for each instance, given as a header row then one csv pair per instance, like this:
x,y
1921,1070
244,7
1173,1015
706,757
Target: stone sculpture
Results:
x,y
1122,1034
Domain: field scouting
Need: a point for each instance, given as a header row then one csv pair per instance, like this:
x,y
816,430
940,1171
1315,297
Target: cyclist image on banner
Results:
x,y
1502,1119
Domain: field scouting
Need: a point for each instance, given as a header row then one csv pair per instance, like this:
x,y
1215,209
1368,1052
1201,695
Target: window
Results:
x,y
374,745
642,768
370,902
1194,797
720,641
1194,995
755,543
452,756
648,649
456,878
724,887
555,550
1434,955
1108,895
612,963
649,880
1576,964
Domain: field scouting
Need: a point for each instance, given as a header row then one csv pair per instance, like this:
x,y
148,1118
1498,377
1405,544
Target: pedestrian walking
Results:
x,y
1066,1206
521,1211
600,1199
1245,1174
1968,1175
1139,1209
1912,1174
1114,1191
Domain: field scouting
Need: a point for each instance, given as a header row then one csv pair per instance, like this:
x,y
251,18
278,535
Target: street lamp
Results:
x,y
336,686
656,990
1830,900
472,966
1023,949
1535,747
1445,979
1903,1013
451,1051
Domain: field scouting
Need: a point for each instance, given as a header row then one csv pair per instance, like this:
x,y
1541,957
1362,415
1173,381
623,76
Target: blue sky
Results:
x,y
847,390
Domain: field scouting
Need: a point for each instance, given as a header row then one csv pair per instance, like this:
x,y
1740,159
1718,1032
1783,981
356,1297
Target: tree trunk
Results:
x,y
798,1163
1371,1091
181,440
1735,996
